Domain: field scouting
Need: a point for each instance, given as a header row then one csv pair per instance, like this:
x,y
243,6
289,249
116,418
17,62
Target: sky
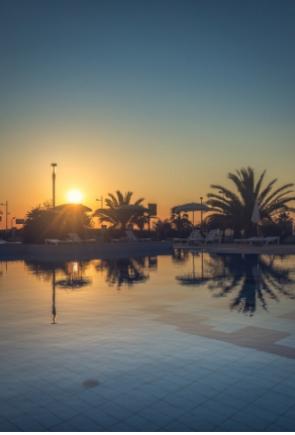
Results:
x,y
160,97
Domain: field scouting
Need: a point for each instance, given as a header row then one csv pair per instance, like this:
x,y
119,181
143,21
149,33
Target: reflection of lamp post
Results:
x,y
53,165
53,306
5,204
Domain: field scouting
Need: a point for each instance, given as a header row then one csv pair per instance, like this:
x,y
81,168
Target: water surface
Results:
x,y
188,342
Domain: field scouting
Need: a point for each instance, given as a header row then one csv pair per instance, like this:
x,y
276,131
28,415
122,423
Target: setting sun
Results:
x,y
74,196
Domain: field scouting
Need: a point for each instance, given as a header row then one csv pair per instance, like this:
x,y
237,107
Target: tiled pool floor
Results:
x,y
112,362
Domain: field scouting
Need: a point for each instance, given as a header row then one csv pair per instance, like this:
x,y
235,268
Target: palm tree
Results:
x,y
233,209
120,212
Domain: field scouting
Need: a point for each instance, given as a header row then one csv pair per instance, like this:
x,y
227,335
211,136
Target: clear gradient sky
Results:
x,y
160,97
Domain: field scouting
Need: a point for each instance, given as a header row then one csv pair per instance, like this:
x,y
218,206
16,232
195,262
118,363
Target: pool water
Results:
x,y
188,342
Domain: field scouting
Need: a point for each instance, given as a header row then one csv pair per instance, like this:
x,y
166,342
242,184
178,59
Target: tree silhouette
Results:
x,y
46,222
120,212
233,209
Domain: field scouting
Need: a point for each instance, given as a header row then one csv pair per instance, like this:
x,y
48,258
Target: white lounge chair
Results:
x,y
131,237
75,238
259,240
52,241
213,236
272,239
195,237
264,240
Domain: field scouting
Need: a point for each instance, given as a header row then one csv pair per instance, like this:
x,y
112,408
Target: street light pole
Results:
x,y
53,165
100,200
5,204
201,198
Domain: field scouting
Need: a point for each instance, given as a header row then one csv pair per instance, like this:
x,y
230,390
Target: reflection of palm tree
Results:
x,y
124,271
255,277
44,270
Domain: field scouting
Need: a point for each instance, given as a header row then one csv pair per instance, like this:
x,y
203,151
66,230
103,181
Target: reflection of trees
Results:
x,y
44,270
71,270
72,277
124,271
255,278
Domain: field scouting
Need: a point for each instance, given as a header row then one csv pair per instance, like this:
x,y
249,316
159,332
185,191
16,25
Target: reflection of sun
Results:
x,y
74,196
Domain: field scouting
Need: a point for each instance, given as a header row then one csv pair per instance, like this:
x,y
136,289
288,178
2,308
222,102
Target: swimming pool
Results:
x,y
185,342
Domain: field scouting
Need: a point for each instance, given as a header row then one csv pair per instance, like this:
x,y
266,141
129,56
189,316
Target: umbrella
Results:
x,y
190,206
192,278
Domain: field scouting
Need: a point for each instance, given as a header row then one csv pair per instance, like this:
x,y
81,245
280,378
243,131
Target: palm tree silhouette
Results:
x,y
254,278
120,212
233,209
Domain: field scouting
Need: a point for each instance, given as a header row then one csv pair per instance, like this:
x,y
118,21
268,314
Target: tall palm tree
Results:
x,y
120,211
234,208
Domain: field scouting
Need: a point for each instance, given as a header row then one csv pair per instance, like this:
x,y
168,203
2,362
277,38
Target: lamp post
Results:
x,y
5,204
201,199
53,165
100,200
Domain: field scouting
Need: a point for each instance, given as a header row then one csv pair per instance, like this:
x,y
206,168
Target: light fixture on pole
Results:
x,y
12,220
201,199
53,165
5,204
100,200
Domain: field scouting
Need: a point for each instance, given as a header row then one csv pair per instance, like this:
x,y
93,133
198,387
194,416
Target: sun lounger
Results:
x,y
52,241
195,237
272,239
131,237
213,236
75,238
264,240
259,240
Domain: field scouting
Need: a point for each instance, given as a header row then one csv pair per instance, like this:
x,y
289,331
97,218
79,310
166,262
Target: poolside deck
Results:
x,y
85,251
